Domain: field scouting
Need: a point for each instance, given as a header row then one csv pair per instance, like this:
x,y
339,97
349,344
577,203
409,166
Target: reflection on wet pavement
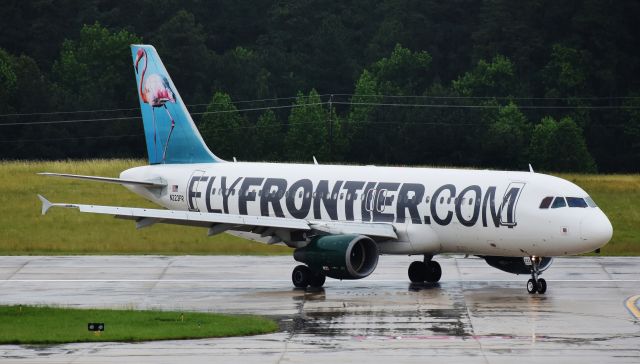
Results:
x,y
475,314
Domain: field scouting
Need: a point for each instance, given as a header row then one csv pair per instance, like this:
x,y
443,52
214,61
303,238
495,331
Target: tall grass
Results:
x,y
66,231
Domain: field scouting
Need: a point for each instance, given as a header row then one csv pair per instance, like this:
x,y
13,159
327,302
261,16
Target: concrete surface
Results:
x,y
477,314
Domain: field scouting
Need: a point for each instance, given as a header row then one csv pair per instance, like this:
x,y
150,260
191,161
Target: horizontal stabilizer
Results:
x,y
150,183
46,205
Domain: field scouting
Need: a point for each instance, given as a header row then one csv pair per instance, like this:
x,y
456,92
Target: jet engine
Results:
x,y
517,265
340,256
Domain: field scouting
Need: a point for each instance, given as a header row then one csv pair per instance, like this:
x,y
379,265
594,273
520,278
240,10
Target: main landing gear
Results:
x,y
303,276
535,284
427,271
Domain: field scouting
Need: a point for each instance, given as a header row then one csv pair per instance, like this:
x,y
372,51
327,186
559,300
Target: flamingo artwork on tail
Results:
x,y
155,91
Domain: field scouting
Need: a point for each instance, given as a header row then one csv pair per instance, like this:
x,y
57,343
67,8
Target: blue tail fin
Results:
x,y
171,134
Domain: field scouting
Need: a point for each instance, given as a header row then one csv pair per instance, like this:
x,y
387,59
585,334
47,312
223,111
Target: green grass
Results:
x,y
66,231
49,325
23,230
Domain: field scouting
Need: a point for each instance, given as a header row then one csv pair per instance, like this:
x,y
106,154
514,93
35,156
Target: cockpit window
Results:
x,y
558,202
576,202
590,202
546,202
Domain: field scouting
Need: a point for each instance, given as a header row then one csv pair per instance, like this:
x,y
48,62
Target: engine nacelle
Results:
x,y
517,265
340,256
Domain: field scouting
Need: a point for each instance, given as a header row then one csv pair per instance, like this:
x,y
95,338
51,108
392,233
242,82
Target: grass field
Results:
x,y
66,231
23,230
50,325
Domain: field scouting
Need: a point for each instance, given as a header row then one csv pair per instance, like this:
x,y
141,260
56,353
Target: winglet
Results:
x,y
46,205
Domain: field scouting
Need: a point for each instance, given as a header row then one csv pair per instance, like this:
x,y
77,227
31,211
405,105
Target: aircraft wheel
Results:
x,y
433,272
532,286
417,272
301,276
542,286
317,280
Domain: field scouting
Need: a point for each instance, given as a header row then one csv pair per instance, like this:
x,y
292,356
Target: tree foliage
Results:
x,y
308,130
464,83
560,146
95,67
223,128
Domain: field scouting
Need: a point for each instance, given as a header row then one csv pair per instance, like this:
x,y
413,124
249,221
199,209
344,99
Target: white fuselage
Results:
x,y
432,210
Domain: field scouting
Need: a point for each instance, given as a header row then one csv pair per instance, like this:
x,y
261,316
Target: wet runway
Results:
x,y
477,314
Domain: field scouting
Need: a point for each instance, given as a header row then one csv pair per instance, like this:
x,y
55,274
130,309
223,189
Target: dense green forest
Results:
x,y
490,84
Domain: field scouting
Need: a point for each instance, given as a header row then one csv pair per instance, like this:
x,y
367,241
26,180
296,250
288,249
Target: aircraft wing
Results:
x,y
217,223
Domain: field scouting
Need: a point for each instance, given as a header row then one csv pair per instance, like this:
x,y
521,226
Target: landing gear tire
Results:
x,y
542,286
317,280
535,284
420,272
417,272
434,272
301,276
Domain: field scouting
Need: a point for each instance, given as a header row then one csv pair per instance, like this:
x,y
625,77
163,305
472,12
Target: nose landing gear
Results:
x,y
535,284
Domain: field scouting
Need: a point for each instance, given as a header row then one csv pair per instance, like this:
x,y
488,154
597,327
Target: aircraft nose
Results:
x,y
596,229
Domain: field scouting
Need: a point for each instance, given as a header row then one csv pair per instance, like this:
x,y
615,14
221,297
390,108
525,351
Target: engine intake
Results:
x,y
340,256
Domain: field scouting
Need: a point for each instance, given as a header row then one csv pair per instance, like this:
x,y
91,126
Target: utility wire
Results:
x,y
345,95
138,108
448,106
404,105
139,117
497,97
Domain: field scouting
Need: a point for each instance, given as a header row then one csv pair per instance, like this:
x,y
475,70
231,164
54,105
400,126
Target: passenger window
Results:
x,y
558,202
546,202
342,196
576,202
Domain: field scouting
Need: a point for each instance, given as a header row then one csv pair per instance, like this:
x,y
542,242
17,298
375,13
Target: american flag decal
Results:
x,y
174,188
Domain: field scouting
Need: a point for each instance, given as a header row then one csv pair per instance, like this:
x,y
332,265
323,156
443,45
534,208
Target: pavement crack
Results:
x,y
297,322
18,270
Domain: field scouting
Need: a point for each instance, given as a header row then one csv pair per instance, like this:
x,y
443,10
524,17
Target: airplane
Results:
x,y
339,219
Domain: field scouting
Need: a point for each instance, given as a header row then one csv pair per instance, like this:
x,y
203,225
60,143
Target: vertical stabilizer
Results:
x,y
170,133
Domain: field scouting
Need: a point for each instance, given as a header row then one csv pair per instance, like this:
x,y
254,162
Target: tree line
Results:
x,y
490,84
